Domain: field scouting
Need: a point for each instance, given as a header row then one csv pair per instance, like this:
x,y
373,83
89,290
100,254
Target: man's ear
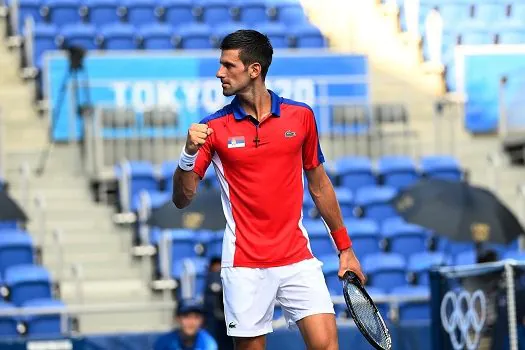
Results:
x,y
255,70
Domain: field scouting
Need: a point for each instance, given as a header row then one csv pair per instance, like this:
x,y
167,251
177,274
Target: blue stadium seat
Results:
x,y
309,208
8,225
490,12
308,36
454,12
413,311
253,12
355,172
28,9
45,325
320,241
140,12
214,244
453,248
79,34
511,37
195,36
215,11
516,255
210,178
61,12
365,236
477,37
8,324
404,238
397,171
141,175
330,269
517,12
420,263
157,37
167,169
44,39
15,249
183,242
345,200
443,167
102,12
118,36
385,270
290,13
27,282
225,28
374,202
465,258
177,12
276,32
200,266
156,199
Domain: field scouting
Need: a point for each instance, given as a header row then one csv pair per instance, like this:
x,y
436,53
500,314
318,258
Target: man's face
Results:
x,y
190,323
233,73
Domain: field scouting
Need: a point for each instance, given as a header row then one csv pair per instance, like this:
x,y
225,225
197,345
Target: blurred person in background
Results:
x,y
214,306
190,335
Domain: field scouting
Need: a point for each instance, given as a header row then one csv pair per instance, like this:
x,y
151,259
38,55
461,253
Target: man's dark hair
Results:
x,y
253,47
487,256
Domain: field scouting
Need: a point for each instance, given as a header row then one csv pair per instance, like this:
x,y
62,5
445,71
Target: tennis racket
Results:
x,y
365,313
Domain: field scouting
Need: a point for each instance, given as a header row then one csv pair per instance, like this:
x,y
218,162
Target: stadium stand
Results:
x,y
173,262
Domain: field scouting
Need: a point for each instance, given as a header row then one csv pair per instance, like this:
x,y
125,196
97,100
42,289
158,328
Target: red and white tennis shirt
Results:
x,y
260,170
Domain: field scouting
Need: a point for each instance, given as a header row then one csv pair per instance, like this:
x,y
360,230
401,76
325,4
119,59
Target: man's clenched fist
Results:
x,y
197,135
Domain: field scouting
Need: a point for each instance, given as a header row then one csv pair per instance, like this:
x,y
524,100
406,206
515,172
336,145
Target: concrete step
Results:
x,y
117,322
100,291
91,272
99,256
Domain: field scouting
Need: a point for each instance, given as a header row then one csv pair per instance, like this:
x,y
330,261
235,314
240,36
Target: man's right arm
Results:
x,y
185,180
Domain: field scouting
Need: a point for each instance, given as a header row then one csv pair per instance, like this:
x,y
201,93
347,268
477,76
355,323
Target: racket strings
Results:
x,y
366,314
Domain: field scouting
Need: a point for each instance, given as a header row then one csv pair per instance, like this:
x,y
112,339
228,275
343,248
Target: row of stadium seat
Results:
x,y
119,36
142,12
33,326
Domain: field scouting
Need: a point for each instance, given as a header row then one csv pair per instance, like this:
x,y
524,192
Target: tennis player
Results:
x,y
260,146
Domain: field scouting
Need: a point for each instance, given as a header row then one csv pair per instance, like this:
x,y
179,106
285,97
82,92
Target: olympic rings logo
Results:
x,y
463,316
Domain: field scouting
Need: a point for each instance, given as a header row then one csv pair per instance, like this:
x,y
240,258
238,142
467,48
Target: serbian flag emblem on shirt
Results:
x,y
236,142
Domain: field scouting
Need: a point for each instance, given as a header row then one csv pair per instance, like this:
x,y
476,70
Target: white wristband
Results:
x,y
186,161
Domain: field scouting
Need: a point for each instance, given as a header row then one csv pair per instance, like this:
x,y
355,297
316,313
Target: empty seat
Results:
x,y
385,270
8,324
195,36
28,9
61,12
453,248
443,167
167,169
215,11
26,282
276,32
224,28
197,269
45,325
118,36
44,40
140,12
511,37
330,269
404,238
374,202
490,12
516,255
397,171
477,37
454,12
157,37
420,263
253,12
365,236
176,12
290,13
355,172
154,199
465,258
308,36
102,12
79,35
214,244
413,310
15,249
138,175
320,241
517,11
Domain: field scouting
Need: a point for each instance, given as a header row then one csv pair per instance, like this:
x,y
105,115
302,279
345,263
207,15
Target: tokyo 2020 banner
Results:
x,y
186,81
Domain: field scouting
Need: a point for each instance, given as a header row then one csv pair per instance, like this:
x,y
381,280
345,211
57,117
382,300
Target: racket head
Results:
x,y
365,314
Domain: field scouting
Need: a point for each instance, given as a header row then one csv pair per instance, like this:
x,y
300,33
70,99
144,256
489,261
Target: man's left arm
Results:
x,y
324,197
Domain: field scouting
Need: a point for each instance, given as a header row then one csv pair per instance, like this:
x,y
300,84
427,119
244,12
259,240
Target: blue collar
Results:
x,y
240,114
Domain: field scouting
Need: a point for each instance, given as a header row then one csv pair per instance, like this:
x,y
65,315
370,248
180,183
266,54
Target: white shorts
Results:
x,y
250,295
